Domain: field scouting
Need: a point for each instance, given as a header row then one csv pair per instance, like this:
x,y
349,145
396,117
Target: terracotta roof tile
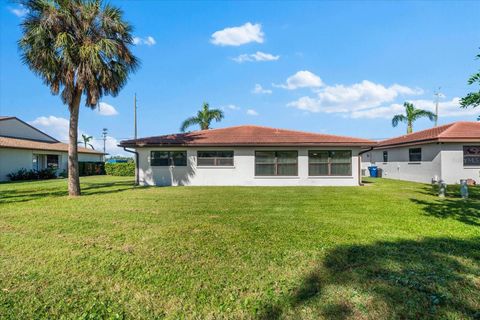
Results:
x,y
457,131
247,135
16,143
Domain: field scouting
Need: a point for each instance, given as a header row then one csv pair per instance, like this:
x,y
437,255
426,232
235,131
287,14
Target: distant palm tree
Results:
x,y
203,118
78,48
411,115
86,140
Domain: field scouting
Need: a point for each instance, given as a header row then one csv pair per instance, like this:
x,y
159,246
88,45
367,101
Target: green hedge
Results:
x,y
120,169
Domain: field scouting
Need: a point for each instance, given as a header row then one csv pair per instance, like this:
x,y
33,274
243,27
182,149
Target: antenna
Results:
x,y
104,135
437,95
135,116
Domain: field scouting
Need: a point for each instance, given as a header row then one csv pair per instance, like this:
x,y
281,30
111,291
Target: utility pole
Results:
x,y
135,116
437,98
104,135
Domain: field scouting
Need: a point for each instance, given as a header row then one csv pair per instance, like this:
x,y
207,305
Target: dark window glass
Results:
x,y
276,163
385,156
415,154
52,161
330,163
471,155
215,158
168,158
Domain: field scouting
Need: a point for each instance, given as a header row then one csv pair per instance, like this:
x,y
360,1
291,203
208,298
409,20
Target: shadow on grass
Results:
x,y
89,188
428,279
452,206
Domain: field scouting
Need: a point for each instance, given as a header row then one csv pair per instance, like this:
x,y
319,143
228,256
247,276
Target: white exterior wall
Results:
x,y
399,167
241,174
453,169
12,160
17,129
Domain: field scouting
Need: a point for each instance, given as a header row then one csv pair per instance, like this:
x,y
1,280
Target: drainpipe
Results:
x,y
136,164
360,165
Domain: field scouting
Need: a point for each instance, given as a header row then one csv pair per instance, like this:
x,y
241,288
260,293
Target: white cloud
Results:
x,y
260,90
236,36
20,12
57,127
231,107
347,99
252,112
301,79
106,109
149,41
257,56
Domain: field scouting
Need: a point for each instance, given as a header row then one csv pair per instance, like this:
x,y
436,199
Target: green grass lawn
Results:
x,y
387,250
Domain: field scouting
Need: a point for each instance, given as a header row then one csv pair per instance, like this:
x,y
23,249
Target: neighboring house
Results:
x,y
450,152
24,146
248,156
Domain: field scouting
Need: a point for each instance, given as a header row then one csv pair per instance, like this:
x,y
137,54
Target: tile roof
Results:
x,y
452,132
247,135
18,143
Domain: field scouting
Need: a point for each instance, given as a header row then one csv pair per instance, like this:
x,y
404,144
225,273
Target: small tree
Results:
x,y
203,118
473,98
411,115
86,141
77,47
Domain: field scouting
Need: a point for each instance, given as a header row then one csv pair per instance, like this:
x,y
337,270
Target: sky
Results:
x,y
340,68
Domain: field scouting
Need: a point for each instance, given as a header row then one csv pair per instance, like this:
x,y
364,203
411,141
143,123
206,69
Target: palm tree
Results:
x,y
81,48
203,118
86,140
411,115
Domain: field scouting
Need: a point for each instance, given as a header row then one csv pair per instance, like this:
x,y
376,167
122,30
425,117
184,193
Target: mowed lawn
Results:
x,y
387,250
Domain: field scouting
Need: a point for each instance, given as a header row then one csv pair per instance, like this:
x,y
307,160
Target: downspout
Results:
x,y
136,164
360,165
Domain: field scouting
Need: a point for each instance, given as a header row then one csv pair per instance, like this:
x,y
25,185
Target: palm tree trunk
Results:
x,y
73,174
409,127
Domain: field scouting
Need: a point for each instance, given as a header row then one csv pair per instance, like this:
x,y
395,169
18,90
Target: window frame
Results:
x,y
48,163
471,156
170,158
276,164
385,156
217,159
329,163
410,160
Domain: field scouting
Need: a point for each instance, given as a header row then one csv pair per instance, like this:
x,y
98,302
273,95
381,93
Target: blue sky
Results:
x,y
332,67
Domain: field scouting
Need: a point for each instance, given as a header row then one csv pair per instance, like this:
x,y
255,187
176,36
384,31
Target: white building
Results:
x,y
450,152
25,147
248,156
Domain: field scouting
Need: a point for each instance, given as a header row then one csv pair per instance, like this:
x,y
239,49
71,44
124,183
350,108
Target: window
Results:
x,y
36,162
415,154
168,158
215,158
52,161
276,163
330,163
471,155
385,156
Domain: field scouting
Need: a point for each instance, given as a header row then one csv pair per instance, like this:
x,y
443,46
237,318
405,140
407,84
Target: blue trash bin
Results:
x,y
373,171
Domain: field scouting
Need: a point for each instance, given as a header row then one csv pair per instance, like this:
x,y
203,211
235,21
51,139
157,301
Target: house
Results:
x,y
248,156
450,152
23,146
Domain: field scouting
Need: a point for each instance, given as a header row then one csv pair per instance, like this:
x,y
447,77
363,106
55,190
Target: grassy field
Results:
x,y
387,250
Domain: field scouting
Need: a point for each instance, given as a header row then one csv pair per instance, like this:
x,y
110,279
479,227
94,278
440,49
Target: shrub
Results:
x,y
120,169
24,174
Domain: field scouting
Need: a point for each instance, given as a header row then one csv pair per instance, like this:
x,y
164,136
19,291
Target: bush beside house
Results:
x,y
24,174
120,169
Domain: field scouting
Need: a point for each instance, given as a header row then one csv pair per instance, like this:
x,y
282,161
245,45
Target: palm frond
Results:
x,y
397,119
188,123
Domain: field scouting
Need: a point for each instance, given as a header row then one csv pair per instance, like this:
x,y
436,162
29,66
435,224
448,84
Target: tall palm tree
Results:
x,y
411,115
81,48
203,118
86,139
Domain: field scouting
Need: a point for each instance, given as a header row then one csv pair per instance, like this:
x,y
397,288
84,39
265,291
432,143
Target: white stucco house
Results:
x,y
450,152
23,146
248,156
